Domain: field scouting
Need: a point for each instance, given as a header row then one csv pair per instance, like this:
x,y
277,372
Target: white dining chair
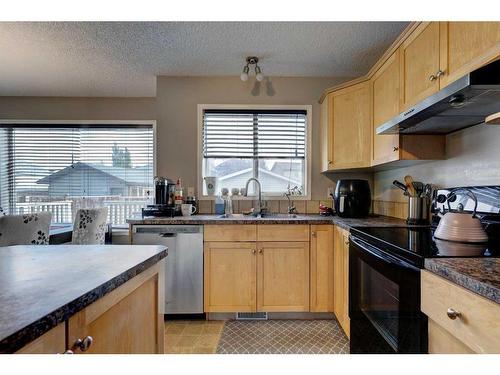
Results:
x,y
89,227
26,229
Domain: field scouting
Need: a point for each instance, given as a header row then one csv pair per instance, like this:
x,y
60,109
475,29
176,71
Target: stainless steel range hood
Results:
x,y
463,103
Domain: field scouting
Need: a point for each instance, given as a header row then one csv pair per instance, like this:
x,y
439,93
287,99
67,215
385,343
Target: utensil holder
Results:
x,y
418,211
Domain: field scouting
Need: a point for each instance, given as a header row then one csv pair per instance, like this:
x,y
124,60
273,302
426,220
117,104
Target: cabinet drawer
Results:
x,y
228,232
478,325
282,232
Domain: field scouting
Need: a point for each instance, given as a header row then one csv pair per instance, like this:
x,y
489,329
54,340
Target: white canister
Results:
x,y
210,183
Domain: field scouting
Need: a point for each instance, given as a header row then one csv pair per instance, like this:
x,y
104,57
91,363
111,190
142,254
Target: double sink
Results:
x,y
264,215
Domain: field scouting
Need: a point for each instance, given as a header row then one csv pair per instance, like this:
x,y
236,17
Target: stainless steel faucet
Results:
x,y
260,209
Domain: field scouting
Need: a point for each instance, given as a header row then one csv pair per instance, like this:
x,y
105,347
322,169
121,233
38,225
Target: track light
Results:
x,y
252,60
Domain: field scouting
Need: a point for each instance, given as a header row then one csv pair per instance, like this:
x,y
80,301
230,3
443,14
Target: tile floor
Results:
x,y
255,337
192,337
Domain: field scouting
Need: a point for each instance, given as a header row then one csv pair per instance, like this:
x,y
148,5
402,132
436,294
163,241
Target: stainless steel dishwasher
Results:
x,y
183,266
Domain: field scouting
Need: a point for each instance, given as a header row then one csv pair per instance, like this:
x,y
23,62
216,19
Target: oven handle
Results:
x,y
386,258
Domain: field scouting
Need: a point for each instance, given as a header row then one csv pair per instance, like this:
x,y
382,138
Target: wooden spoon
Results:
x,y
409,185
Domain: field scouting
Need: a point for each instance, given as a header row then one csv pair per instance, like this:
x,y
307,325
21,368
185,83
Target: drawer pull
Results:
x,y
84,344
453,314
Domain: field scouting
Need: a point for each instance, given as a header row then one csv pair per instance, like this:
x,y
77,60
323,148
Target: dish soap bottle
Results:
x,y
178,195
219,205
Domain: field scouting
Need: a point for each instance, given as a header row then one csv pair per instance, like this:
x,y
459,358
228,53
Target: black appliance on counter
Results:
x,y
164,200
352,198
384,277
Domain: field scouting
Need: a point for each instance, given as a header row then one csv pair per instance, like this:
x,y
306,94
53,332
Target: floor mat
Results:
x,y
283,337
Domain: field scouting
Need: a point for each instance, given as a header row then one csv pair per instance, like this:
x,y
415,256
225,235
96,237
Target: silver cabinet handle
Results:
x,y
253,251
68,351
453,314
395,148
261,251
432,77
313,234
439,73
83,345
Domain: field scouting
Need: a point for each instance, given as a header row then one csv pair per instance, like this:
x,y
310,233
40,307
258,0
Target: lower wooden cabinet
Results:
x,y
283,276
341,278
256,276
124,321
475,326
51,342
127,320
321,274
230,276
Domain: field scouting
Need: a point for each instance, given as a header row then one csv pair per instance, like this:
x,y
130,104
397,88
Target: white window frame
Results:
x,y
267,196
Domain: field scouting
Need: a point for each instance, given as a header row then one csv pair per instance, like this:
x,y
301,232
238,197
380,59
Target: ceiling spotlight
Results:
x,y
252,60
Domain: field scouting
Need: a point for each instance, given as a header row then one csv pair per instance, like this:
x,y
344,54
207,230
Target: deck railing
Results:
x,y
64,211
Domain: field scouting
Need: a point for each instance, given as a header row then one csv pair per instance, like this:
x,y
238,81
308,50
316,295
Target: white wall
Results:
x,y
472,158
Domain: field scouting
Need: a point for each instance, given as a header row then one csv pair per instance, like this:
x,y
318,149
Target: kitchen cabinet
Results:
x,y
230,276
420,64
326,131
352,127
283,276
466,46
460,321
341,278
126,320
321,268
51,342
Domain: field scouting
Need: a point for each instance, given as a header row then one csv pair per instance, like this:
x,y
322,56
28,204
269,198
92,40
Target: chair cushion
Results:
x,y
27,229
90,226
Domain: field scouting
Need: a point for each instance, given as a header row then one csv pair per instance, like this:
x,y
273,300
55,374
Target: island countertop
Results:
x,y
42,286
479,275
345,223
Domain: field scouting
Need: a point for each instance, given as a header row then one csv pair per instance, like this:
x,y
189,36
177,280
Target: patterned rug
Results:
x,y
283,337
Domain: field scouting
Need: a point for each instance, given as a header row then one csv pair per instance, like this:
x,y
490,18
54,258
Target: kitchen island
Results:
x,y
53,296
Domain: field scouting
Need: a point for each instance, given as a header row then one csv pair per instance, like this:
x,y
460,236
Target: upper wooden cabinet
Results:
x,y
348,127
326,130
466,46
386,93
420,64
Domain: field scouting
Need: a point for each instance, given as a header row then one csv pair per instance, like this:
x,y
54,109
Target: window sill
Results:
x,y
264,197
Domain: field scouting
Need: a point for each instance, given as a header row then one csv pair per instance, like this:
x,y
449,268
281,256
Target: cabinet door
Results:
x,y
230,276
352,127
341,282
125,321
420,64
283,276
51,342
386,94
326,130
466,46
321,268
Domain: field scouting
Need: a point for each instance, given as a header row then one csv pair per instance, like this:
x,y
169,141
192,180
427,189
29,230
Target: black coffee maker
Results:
x,y
164,199
352,198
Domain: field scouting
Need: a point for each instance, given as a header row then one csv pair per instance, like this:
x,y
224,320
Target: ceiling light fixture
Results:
x,y
252,60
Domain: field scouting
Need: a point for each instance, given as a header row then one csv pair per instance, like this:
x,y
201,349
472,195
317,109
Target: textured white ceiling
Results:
x,y
123,58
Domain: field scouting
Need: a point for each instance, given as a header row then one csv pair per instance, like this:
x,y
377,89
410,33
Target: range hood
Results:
x,y
463,103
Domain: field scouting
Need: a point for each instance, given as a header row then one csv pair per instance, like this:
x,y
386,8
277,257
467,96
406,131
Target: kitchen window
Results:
x,y
268,143
61,167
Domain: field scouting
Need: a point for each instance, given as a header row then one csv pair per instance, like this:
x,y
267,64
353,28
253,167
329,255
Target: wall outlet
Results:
x,y
330,192
190,191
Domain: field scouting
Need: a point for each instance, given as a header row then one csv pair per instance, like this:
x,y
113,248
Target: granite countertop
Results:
x,y
42,286
278,219
479,275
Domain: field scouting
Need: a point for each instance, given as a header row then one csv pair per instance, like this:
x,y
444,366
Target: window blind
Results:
x,y
62,167
254,134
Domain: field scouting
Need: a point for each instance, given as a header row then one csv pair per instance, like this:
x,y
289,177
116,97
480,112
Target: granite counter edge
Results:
x,y
470,283
24,336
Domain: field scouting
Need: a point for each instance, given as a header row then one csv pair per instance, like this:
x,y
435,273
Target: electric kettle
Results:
x,y
461,226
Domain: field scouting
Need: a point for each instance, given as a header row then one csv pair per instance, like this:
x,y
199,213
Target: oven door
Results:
x,y
384,302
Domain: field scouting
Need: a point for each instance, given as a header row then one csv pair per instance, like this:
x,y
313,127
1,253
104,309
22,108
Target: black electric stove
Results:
x,y
384,275
414,244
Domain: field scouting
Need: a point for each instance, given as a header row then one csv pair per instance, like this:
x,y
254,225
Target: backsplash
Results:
x,y
303,207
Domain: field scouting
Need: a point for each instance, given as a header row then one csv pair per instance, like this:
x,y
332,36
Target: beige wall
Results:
x,y
472,158
177,100
57,108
